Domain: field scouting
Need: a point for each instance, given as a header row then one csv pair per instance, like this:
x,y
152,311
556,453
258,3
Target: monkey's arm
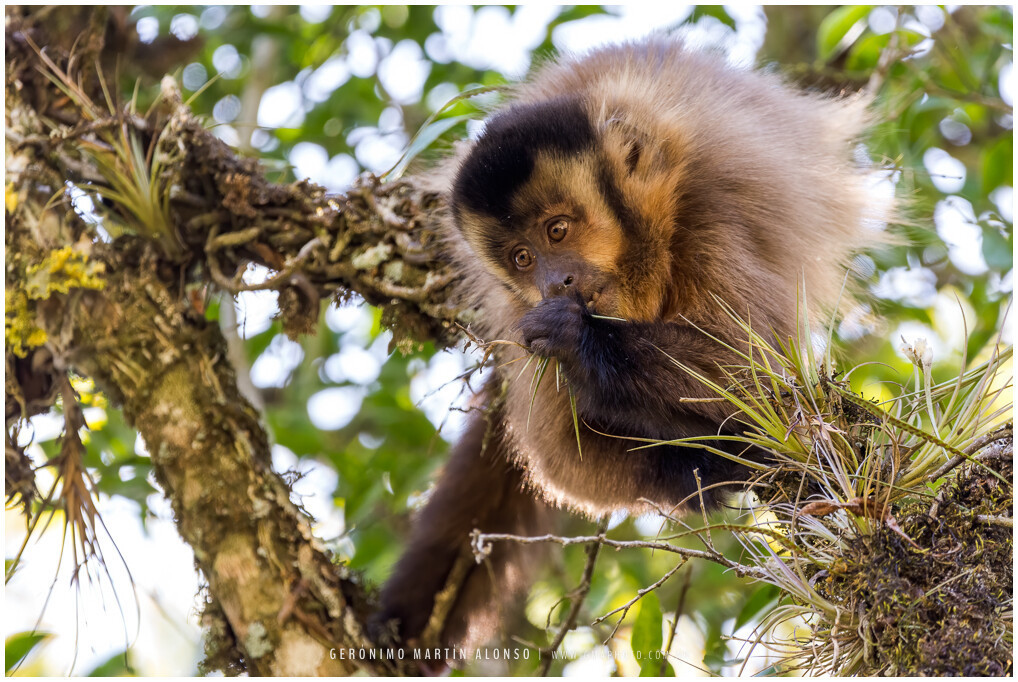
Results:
x,y
628,372
478,489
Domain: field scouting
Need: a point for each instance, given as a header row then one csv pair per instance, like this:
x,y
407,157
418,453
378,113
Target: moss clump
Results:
x,y
939,610
222,653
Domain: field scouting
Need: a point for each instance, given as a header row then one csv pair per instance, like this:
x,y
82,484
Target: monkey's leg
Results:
x,y
478,489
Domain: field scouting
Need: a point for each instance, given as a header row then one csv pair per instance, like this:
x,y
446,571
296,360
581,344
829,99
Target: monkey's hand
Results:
x,y
627,371
554,327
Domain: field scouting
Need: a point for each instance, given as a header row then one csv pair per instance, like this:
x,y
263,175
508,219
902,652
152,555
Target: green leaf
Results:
x,y
987,310
835,32
865,54
18,646
760,600
997,164
117,665
576,423
647,638
716,11
433,129
424,139
998,249
715,647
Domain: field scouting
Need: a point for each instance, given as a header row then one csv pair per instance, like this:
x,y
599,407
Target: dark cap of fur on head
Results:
x,y
502,160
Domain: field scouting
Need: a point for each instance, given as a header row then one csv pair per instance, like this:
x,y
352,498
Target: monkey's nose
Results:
x,y
561,287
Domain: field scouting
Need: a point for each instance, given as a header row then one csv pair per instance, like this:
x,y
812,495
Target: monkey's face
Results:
x,y
549,203
557,240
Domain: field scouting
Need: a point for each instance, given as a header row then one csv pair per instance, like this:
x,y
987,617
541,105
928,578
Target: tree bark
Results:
x,y
128,313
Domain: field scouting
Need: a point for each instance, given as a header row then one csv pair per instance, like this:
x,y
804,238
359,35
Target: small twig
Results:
x,y
679,608
239,238
980,443
481,543
284,276
703,510
933,88
291,601
1005,521
888,56
639,595
579,595
446,599
487,346
315,627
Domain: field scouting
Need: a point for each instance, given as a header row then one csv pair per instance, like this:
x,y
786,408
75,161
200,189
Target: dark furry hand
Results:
x,y
554,327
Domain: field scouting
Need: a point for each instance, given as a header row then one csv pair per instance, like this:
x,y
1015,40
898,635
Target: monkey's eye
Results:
x,y
557,228
522,258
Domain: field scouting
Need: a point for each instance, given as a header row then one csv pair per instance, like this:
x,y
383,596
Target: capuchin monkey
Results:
x,y
600,216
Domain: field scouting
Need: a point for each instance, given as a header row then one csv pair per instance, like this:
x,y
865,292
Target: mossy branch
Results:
x,y
136,326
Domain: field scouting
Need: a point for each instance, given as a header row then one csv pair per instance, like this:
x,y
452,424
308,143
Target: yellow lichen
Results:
x,y
10,197
82,385
20,331
95,418
88,394
61,271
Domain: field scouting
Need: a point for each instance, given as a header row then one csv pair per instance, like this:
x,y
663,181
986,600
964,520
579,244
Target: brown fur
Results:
x,y
740,188
480,490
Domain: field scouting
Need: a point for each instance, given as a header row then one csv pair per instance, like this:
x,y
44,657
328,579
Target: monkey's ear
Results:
x,y
631,144
633,157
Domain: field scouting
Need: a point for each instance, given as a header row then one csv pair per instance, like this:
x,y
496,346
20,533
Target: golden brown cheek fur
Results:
x,y
639,264
596,236
647,164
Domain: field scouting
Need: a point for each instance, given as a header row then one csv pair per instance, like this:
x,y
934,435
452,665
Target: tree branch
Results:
x,y
278,603
479,540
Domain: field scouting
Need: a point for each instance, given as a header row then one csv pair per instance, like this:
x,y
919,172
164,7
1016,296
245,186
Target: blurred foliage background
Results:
x,y
326,93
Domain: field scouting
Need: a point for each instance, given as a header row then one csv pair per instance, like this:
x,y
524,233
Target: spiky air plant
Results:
x,y
887,527
130,179
72,496
133,185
